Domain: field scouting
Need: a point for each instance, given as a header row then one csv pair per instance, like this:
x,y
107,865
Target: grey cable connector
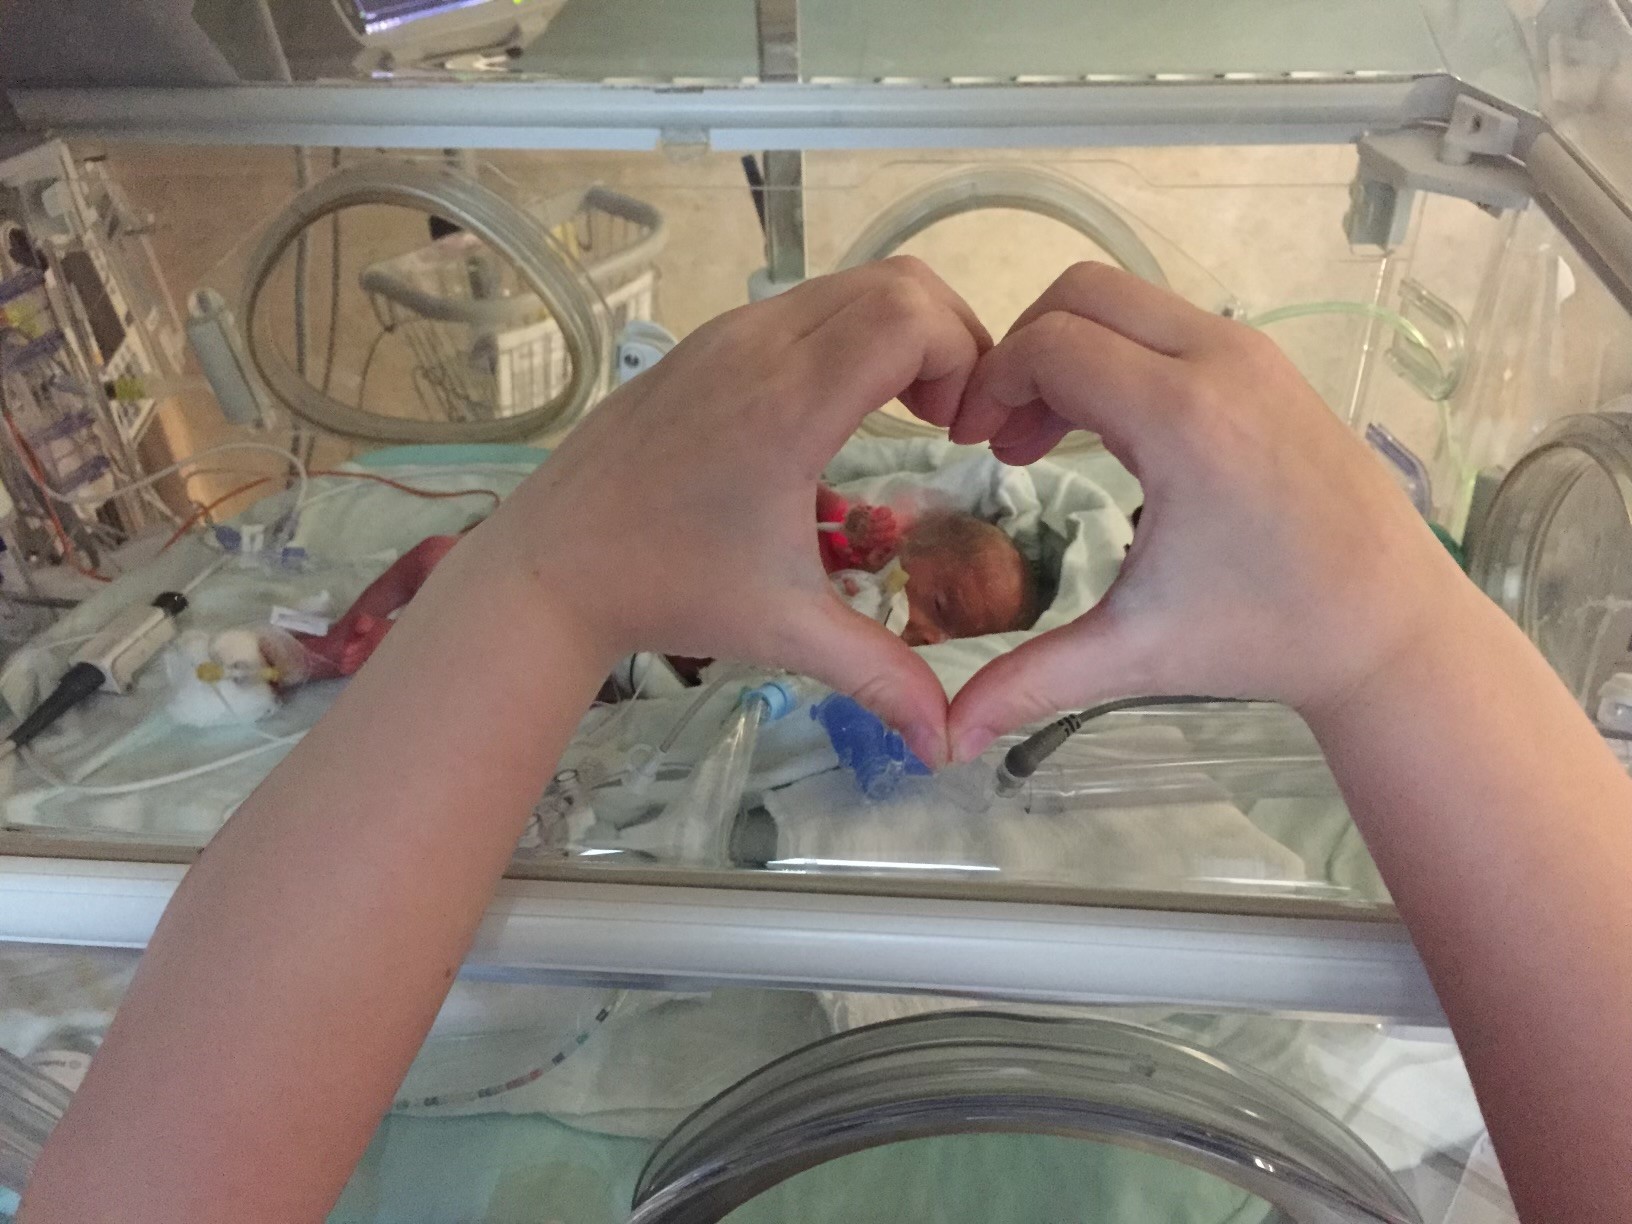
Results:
x,y
1026,757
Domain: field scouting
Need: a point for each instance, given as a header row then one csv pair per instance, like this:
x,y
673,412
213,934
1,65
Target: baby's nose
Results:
x,y
925,634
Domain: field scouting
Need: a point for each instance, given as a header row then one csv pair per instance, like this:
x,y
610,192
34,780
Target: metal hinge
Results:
x,y
1471,158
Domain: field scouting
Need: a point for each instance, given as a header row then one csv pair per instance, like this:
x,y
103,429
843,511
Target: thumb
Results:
x,y
1068,668
837,645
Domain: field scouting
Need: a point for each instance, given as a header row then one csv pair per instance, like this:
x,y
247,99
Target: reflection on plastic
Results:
x,y
986,1073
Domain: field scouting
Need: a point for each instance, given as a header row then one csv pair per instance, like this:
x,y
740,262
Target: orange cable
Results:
x,y
69,553
400,487
433,494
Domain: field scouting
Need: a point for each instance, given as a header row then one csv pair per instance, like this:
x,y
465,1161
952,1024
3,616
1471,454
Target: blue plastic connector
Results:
x,y
877,756
778,697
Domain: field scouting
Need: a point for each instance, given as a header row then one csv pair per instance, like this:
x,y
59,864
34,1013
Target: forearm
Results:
x,y
1503,827
309,948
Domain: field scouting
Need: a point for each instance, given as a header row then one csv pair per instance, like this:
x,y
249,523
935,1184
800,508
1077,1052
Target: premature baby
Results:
x,y
965,578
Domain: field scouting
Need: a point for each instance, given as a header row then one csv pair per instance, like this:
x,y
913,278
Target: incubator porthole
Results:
x,y
1555,549
992,1116
469,314
1029,222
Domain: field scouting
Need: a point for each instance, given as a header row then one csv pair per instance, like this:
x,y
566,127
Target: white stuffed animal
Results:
x,y
233,677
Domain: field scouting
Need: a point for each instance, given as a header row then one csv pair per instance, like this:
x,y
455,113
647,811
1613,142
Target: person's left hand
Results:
x,y
679,516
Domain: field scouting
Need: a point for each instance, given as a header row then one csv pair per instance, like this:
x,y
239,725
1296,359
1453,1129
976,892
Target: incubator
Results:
x,y
282,301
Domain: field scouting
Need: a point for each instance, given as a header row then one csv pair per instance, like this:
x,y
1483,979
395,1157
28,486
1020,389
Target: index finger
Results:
x,y
1145,313
815,301
899,338
1083,373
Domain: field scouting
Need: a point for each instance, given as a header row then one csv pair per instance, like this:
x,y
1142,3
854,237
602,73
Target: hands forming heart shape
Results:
x,y
1274,558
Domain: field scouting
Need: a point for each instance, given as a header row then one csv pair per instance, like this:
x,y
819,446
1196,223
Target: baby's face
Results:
x,y
952,594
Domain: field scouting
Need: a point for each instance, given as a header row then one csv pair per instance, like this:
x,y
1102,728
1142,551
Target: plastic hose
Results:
x,y
1389,318
1364,310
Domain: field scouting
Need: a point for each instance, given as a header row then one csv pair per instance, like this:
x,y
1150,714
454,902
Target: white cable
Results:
x,y
25,654
32,759
193,583
96,499
190,461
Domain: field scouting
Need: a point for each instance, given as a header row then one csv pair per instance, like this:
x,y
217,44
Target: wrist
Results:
x,y
530,601
1456,637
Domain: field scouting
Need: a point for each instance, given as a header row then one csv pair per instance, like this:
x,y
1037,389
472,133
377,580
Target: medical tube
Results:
x,y
1365,310
690,712
696,827
642,761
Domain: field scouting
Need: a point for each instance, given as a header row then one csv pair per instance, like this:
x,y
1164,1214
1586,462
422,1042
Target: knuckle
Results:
x,y
909,267
900,301
1050,332
722,329
1198,395
1090,276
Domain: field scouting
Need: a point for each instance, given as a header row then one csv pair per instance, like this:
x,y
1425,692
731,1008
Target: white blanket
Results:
x,y
352,530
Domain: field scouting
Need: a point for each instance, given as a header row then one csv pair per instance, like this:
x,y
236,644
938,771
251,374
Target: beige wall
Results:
x,y
1258,227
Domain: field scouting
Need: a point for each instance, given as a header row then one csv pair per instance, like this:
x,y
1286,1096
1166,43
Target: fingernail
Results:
x,y
928,745
972,741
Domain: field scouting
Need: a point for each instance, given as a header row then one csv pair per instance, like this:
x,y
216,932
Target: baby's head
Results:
x,y
965,578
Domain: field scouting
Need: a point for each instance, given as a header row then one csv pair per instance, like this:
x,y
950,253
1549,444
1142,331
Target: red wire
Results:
x,y
69,553
433,494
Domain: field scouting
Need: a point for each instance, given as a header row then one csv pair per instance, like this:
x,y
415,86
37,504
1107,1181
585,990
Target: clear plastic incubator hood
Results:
x,y
287,291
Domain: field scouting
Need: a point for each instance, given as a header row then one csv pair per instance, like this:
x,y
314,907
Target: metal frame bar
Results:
x,y
784,191
1586,211
778,28
551,931
744,118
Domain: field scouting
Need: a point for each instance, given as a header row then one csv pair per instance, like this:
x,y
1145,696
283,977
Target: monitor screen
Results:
x,y
376,16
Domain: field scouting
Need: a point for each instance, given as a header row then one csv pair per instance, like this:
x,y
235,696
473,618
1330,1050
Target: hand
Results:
x,y
1274,558
678,516
872,534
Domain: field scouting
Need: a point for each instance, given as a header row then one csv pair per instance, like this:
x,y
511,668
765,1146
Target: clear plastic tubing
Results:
x,y
696,828
1365,310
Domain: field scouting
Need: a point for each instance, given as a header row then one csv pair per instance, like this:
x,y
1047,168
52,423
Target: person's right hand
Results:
x,y
1275,558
